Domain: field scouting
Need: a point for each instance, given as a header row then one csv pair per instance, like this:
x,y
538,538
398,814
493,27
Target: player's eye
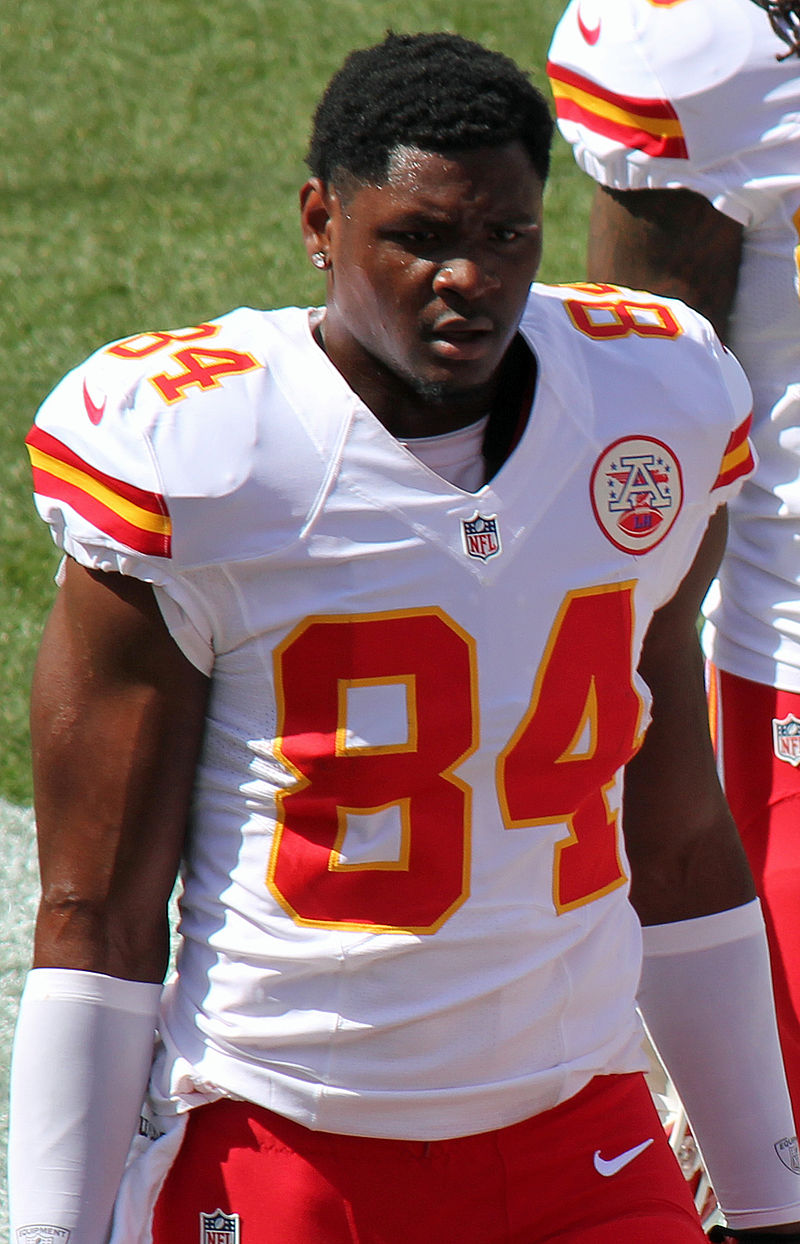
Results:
x,y
505,234
414,237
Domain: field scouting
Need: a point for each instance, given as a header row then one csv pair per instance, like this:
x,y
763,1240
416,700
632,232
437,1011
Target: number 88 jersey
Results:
x,y
405,893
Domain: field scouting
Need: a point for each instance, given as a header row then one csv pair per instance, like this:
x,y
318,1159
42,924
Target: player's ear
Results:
x,y
315,217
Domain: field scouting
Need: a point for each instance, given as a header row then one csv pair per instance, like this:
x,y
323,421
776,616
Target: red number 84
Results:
x,y
583,722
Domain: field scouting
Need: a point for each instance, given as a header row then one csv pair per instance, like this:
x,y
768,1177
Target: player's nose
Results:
x,y
469,277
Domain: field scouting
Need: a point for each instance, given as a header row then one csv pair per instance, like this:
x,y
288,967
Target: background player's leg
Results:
x,y
763,790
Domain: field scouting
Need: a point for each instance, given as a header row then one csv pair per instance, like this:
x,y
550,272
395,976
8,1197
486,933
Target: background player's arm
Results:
x,y
685,854
117,716
670,242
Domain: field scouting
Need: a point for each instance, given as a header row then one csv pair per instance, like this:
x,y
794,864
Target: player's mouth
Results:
x,y
458,339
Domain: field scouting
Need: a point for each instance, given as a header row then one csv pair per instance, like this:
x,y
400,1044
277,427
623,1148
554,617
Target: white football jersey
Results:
x,y
405,908
690,93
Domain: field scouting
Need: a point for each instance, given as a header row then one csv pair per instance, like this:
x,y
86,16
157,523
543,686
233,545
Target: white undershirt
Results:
x,y
456,456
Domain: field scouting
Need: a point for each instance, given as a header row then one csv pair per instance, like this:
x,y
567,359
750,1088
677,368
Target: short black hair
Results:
x,y
436,91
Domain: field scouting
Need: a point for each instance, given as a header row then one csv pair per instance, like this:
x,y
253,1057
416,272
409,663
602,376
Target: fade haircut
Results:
x,y
439,92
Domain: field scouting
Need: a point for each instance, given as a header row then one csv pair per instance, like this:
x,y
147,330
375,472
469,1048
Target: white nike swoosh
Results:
x,y
611,1166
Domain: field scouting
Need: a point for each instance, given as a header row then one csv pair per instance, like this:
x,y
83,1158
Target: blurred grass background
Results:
x,y
152,154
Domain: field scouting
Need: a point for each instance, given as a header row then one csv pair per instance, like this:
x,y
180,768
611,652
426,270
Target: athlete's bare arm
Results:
x,y
685,854
117,718
670,242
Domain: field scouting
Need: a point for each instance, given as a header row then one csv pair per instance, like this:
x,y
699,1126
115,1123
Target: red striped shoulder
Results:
x,y
737,460
646,124
136,517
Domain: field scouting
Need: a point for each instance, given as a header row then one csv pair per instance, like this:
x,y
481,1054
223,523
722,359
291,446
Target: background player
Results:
x,y
688,116
353,637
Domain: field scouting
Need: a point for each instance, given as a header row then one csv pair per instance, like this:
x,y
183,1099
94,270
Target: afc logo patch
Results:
x,y
219,1228
636,492
481,536
786,739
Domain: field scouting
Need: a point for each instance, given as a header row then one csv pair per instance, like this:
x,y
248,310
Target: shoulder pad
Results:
x,y
629,360
664,93
149,418
613,316
668,49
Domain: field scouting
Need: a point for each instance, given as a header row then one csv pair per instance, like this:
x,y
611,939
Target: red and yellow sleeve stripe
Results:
x,y
135,517
738,456
649,125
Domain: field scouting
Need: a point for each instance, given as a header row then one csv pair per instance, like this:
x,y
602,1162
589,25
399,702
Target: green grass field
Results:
x,y
152,156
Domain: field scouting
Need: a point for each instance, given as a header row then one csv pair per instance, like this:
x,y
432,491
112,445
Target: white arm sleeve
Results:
x,y
80,1065
706,998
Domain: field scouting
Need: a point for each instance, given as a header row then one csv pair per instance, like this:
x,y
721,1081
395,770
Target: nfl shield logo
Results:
x,y
786,739
219,1228
481,536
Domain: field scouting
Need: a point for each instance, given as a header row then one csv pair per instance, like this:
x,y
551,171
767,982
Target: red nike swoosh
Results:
x,y
591,36
95,413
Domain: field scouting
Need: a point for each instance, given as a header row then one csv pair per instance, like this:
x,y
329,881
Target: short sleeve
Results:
x,y
109,455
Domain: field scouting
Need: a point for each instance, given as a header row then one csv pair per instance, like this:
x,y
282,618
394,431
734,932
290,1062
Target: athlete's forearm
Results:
x,y
80,1064
706,997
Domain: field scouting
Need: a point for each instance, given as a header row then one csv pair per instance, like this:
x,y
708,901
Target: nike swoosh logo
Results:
x,y
612,1166
590,35
95,413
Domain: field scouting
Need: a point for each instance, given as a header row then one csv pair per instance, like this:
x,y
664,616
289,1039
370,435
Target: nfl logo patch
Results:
x,y
481,536
786,739
219,1228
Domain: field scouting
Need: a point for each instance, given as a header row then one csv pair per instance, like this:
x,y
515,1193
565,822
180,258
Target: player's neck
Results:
x,y
409,411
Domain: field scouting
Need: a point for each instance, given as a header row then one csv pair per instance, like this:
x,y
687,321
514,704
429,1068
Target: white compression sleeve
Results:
x,y
706,998
80,1064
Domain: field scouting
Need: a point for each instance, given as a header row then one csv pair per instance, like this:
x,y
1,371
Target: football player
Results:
x,y
364,612
687,114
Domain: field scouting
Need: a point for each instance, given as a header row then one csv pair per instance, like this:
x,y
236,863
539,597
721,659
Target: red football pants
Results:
x,y
596,1170
764,796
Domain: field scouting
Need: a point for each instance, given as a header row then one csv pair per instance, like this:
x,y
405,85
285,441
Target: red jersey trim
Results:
x,y
131,515
738,458
649,125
